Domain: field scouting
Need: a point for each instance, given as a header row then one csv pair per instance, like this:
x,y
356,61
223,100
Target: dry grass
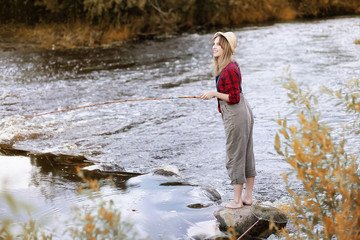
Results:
x,y
61,36
287,14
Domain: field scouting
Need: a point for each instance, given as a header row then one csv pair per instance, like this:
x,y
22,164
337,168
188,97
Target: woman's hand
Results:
x,y
208,95
212,94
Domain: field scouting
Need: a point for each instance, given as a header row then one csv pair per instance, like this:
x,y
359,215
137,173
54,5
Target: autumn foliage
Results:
x,y
329,206
83,23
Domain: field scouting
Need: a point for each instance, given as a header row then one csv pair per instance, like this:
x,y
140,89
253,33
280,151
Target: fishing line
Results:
x,y
248,229
266,213
103,103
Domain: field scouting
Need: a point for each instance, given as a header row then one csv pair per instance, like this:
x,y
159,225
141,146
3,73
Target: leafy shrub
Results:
x,y
329,207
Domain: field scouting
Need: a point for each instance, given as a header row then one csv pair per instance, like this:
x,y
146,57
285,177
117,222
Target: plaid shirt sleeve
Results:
x,y
230,82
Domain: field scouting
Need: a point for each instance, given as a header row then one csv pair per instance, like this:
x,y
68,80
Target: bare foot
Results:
x,y
234,205
247,201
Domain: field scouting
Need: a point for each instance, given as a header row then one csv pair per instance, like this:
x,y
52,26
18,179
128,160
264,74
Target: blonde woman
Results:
x,y
237,118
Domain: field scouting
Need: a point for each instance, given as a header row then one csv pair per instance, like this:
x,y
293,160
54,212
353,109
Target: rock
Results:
x,y
199,205
167,171
244,218
211,193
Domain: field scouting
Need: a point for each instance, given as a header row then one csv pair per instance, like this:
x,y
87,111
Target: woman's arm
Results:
x,y
212,94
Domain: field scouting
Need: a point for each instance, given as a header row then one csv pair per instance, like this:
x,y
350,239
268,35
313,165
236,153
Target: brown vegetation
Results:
x,y
50,36
79,23
329,207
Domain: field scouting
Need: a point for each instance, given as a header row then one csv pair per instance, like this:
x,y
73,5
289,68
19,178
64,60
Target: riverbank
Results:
x,y
19,37
152,20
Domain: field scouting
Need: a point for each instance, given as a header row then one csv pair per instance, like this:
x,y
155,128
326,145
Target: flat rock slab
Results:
x,y
243,219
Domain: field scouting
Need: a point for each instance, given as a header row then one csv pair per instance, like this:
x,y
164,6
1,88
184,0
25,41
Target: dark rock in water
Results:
x,y
7,149
266,220
211,193
177,183
168,171
198,205
163,172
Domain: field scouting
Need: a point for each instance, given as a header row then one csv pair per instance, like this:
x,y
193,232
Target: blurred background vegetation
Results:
x,y
78,23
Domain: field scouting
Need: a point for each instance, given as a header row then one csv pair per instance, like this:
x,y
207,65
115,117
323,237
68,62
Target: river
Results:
x,y
141,136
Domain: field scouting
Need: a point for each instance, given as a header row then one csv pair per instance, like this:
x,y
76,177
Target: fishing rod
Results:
x,y
103,103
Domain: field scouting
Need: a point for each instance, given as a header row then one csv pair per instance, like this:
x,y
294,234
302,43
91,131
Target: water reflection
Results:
x,y
160,206
16,171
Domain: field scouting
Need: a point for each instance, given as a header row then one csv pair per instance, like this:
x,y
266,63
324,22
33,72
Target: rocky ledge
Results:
x,y
258,220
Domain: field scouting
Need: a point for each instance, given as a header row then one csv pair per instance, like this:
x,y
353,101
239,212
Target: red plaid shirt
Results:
x,y
230,83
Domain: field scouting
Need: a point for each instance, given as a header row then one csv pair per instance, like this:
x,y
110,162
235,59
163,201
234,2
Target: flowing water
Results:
x,y
142,136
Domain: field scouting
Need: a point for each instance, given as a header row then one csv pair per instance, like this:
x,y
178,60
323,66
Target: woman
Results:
x,y
237,118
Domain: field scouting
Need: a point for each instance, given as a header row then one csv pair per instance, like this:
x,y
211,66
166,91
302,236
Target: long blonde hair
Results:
x,y
219,63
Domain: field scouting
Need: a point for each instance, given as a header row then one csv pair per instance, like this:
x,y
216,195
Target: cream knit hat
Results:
x,y
230,37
